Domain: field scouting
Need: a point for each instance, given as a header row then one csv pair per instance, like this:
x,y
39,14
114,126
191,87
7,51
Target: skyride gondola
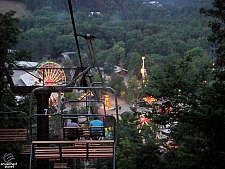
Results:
x,y
85,149
45,151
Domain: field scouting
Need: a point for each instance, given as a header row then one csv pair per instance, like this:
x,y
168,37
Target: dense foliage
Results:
x,y
123,35
9,33
193,91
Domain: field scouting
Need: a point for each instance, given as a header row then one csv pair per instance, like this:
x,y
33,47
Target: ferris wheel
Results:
x,y
52,74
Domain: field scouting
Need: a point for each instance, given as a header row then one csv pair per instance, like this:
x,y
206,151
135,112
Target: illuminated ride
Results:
x,y
149,99
143,120
107,102
52,74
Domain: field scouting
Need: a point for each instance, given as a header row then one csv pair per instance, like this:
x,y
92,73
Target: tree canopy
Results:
x,y
121,29
193,89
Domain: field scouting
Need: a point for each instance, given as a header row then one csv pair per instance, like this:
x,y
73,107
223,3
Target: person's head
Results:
x,y
95,118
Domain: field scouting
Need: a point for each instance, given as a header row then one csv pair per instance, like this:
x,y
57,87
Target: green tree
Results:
x,y
117,52
182,84
136,149
128,139
9,54
133,91
117,83
134,63
9,33
195,92
131,45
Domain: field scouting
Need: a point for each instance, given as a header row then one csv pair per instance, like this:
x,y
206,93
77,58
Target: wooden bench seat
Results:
x,y
82,149
13,135
73,133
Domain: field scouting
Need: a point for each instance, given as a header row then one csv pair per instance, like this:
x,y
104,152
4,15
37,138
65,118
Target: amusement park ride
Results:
x,y
49,81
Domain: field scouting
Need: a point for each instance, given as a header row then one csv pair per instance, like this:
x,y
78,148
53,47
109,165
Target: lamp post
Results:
x,y
143,68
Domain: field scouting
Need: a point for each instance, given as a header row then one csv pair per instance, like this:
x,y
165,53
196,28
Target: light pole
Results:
x,y
143,69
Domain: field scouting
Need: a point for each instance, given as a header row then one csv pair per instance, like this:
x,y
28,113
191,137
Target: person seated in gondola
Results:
x,y
73,133
72,123
96,133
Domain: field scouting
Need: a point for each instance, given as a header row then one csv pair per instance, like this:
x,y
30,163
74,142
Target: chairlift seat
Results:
x,y
81,149
72,133
13,135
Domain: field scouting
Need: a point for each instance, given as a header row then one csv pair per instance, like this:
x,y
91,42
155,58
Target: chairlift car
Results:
x,y
82,146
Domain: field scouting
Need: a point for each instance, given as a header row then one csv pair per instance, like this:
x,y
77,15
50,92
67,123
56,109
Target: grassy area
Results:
x,y
20,8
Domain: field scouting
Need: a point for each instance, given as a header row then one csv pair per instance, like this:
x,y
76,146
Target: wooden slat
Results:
x,y
72,156
12,139
13,135
82,149
73,150
12,130
73,142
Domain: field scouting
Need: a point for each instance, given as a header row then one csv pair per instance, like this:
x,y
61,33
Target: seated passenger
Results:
x,y
73,133
96,133
72,123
